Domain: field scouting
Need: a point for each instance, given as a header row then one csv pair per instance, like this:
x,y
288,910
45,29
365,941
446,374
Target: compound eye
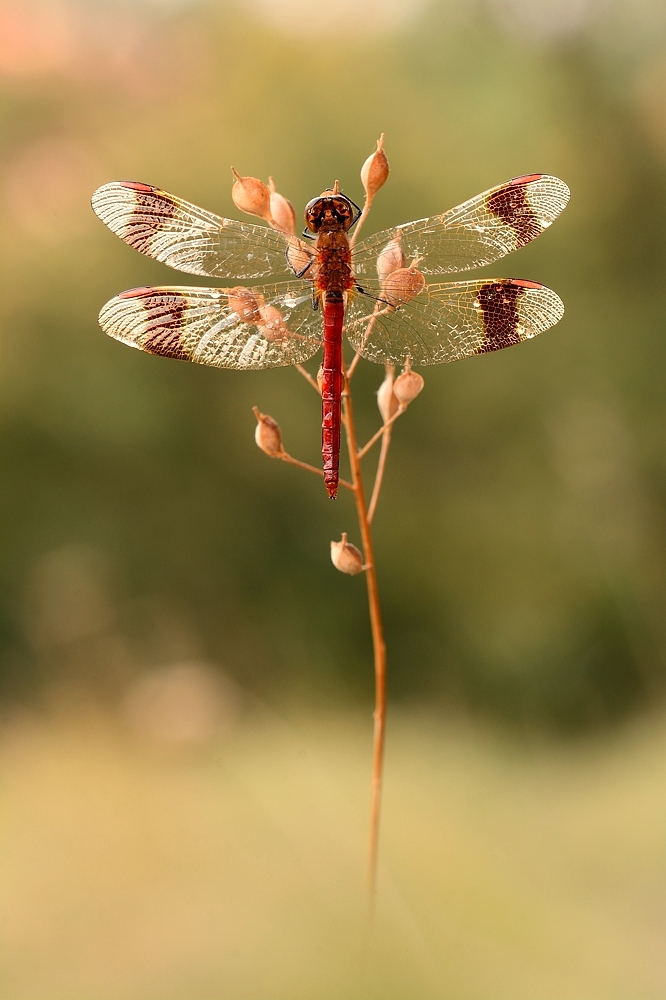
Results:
x,y
313,215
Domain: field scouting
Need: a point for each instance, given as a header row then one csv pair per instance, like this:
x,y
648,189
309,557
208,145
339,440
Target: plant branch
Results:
x,y
369,325
361,219
378,643
381,465
311,468
352,367
382,430
308,377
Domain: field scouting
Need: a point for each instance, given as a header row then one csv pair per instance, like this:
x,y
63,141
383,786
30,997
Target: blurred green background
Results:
x,y
520,537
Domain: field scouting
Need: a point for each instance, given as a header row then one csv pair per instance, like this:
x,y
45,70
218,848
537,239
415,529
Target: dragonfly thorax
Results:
x,y
329,212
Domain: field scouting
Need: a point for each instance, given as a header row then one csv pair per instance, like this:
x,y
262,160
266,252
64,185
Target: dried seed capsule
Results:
x,y
390,259
267,434
386,399
346,557
407,386
403,285
251,195
282,210
272,324
375,170
243,302
301,259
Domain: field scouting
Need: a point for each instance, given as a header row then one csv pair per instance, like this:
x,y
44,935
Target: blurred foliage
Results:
x,y
232,867
520,536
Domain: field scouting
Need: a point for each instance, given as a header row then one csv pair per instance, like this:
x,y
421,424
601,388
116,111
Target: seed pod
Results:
x,y
407,386
251,195
299,255
346,557
390,259
244,304
402,285
272,324
267,434
386,400
375,170
282,210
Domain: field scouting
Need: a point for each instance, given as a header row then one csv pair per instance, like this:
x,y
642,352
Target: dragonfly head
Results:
x,y
330,211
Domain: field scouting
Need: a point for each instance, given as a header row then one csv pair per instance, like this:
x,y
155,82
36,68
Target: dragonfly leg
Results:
x,y
359,211
299,274
362,290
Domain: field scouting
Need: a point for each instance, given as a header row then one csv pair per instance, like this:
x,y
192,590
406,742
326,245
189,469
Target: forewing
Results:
x,y
187,237
476,233
447,322
266,327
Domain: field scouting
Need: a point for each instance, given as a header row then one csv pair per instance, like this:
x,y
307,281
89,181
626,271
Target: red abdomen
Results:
x,y
331,388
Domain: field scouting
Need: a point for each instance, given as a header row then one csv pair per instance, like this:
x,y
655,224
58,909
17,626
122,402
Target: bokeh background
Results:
x,y
185,679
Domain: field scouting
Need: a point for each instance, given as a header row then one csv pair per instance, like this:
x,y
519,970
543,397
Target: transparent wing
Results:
x,y
476,233
446,322
190,239
266,327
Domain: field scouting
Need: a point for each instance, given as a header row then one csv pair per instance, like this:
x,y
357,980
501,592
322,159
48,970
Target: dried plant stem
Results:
x,y
365,515
381,308
381,465
308,377
352,367
379,646
382,430
311,468
361,219
368,331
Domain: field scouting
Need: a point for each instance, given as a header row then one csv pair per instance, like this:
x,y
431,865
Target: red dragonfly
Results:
x,y
375,291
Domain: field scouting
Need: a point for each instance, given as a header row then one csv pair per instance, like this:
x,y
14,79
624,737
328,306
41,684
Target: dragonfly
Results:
x,y
377,292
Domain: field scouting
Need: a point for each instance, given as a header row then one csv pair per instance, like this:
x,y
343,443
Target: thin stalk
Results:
x,y
350,370
361,219
312,468
382,430
370,322
378,644
308,378
381,465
